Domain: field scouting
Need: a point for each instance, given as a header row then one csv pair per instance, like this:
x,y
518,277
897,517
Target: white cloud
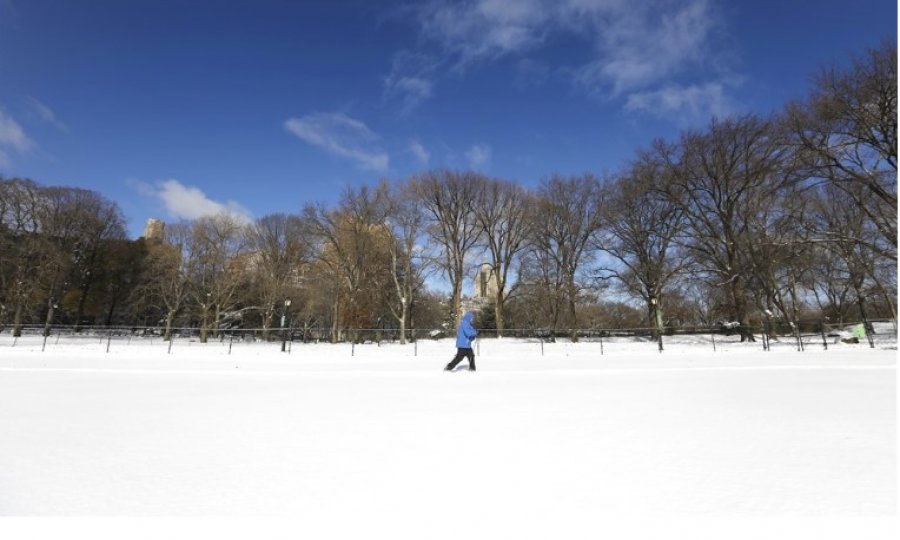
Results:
x,y
689,103
187,202
414,91
342,136
484,29
12,136
632,42
479,156
644,44
47,115
411,80
419,151
629,47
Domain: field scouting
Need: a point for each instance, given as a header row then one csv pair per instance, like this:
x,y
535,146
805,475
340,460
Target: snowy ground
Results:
x,y
552,442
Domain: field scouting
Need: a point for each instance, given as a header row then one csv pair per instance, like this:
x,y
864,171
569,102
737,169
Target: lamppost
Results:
x,y
287,304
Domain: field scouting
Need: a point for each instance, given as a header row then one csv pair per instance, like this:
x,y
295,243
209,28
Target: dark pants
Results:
x,y
460,354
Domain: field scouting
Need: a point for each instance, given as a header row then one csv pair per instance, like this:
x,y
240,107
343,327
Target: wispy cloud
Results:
x,y
630,47
642,44
418,150
342,136
689,104
12,138
479,156
188,202
411,80
484,29
46,114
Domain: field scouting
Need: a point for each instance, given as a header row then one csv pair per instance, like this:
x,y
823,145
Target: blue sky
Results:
x,y
177,109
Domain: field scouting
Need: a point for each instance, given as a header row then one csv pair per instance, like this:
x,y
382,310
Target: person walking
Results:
x,y
465,334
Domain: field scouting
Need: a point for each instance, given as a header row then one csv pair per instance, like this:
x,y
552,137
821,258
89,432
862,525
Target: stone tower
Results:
x,y
485,286
155,230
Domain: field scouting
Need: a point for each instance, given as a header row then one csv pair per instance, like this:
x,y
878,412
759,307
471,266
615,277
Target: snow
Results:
x,y
555,441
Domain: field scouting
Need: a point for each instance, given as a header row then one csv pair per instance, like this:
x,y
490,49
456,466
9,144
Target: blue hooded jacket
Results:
x,y
466,332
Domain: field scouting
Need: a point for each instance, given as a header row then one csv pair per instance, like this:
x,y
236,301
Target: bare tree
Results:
x,y
165,280
846,134
725,175
778,252
97,222
502,209
352,240
828,284
447,198
567,215
27,252
407,225
219,245
277,252
640,229
835,212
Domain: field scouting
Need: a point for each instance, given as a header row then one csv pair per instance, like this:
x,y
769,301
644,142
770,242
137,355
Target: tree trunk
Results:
x,y
49,319
651,317
404,313
112,306
862,312
204,328
499,301
740,308
456,299
268,315
17,320
335,336
571,304
170,318
79,313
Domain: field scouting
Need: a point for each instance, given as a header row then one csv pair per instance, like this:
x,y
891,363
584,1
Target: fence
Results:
x,y
774,335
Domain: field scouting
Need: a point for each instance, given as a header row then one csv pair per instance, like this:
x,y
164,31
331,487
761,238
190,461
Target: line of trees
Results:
x,y
750,219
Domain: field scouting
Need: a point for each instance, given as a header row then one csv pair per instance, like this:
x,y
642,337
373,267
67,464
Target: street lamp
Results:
x,y
287,304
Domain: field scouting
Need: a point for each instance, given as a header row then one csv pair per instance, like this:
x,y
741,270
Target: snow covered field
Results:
x,y
343,439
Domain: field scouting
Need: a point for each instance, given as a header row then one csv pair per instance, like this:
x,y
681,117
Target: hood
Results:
x,y
468,317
